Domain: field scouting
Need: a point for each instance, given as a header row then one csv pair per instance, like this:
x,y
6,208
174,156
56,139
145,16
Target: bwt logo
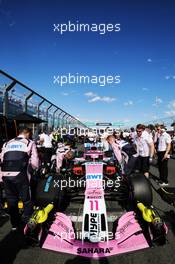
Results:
x,y
14,146
94,177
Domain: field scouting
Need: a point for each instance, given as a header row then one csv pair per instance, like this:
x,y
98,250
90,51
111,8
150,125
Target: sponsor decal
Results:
x,y
94,163
16,146
87,145
63,226
122,230
94,197
93,229
47,185
94,192
93,176
94,250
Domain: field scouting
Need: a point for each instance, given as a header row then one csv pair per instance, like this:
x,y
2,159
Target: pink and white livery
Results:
x,y
95,242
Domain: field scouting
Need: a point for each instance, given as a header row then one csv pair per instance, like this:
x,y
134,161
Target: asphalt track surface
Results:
x,y
13,249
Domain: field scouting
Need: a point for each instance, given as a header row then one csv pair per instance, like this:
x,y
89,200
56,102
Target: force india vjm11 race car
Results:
x,y
138,227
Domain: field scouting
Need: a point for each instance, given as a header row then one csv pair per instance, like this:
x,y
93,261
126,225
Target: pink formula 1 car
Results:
x,y
138,227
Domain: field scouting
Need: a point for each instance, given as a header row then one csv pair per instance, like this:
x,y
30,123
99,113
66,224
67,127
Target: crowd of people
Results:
x,y
22,155
150,145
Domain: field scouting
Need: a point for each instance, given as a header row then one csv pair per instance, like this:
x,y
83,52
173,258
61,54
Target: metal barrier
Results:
x,y
16,98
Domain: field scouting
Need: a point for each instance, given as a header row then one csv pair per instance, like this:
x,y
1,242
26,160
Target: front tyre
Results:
x,y
140,189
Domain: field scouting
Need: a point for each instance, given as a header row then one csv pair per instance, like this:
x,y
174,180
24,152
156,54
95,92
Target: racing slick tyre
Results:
x,y
141,189
48,191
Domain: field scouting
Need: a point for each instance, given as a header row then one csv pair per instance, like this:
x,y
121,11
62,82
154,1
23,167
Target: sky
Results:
x,y
142,53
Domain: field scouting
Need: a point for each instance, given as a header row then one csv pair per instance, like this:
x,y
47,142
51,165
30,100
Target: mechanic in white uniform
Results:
x,y
145,149
46,142
163,149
